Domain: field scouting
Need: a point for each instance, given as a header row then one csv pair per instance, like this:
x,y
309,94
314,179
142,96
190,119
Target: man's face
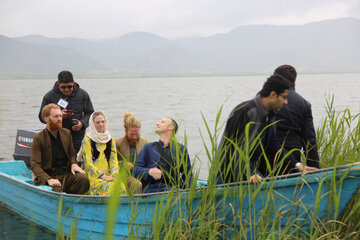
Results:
x,y
279,101
66,88
163,126
54,120
133,135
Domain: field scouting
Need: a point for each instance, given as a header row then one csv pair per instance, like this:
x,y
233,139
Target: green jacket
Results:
x,y
123,147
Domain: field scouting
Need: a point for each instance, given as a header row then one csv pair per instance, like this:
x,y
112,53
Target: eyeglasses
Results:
x,y
69,87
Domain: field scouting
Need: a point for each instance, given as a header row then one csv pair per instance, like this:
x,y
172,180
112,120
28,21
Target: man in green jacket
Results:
x,y
129,146
53,158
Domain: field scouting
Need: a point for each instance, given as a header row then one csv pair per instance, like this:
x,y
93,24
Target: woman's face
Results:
x,y
99,122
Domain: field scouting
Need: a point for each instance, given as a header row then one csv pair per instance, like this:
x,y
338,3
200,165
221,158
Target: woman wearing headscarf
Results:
x,y
99,156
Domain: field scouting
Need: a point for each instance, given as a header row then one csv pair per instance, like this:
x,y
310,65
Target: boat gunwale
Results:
x,y
311,175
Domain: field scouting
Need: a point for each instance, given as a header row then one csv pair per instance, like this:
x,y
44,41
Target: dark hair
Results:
x,y
274,83
65,77
288,72
174,123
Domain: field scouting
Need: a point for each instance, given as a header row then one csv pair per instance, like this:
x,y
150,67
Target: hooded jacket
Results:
x,y
79,102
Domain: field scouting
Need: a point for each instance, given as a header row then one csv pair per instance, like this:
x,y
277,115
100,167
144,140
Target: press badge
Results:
x,y
63,103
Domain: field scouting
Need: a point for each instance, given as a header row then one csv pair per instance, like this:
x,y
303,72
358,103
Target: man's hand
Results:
x,y
66,114
155,173
53,182
255,179
130,165
304,168
75,168
107,178
78,126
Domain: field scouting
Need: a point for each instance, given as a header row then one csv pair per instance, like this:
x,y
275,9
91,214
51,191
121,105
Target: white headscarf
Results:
x,y
93,134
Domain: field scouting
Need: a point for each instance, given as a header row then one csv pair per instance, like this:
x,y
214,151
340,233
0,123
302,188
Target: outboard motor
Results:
x,y
24,139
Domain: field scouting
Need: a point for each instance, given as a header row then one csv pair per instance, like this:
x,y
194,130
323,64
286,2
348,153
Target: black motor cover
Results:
x,y
24,138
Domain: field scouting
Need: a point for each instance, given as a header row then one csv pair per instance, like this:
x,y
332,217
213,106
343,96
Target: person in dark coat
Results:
x,y
296,128
75,104
249,121
164,164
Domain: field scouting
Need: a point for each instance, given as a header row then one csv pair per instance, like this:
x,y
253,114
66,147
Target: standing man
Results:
x,y
75,105
249,137
296,128
129,146
164,164
53,159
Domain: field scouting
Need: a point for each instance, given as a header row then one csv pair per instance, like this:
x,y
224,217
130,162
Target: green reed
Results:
x,y
232,212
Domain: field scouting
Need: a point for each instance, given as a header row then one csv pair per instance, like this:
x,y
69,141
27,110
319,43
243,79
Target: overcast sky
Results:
x,y
97,19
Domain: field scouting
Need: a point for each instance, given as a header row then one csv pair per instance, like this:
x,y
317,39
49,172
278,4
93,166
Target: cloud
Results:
x,y
168,18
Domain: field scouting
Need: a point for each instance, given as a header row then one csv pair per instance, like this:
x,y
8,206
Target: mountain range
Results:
x,y
326,46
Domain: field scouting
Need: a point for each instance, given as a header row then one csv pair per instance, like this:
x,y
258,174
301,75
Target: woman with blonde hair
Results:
x,y
99,157
129,146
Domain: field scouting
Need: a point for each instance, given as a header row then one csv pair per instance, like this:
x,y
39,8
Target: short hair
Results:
x,y
47,109
65,77
288,72
130,121
274,83
174,123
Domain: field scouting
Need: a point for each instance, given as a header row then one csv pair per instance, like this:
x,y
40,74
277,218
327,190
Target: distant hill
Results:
x,y
326,46
25,59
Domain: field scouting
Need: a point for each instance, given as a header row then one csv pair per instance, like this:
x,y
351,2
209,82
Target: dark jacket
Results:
x,y
149,157
41,154
79,102
252,112
296,128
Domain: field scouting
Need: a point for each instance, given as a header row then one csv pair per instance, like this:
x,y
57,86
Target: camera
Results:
x,y
74,122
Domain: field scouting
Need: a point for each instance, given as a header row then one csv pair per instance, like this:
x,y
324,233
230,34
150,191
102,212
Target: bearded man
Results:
x,y
130,145
53,158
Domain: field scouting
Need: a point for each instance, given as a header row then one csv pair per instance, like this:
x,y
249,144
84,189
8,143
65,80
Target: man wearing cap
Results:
x,y
164,164
75,104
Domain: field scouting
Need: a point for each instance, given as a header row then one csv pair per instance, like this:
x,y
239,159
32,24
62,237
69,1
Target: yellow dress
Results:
x,y
95,168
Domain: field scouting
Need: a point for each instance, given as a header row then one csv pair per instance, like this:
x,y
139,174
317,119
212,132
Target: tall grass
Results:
x,y
260,211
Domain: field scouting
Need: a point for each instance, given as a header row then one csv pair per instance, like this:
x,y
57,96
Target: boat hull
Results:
x,y
239,204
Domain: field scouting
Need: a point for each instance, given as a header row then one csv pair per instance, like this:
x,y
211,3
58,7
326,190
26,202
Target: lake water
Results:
x,y
150,99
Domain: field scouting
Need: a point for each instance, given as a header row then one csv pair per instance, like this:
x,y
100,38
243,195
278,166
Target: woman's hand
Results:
x,y
107,178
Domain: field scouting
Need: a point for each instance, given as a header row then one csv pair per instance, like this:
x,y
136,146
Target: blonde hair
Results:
x,y
46,110
130,121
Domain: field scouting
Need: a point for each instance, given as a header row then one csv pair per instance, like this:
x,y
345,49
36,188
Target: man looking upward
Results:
x,y
164,164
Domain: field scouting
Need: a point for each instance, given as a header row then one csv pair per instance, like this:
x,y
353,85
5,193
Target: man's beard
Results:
x,y
132,142
54,126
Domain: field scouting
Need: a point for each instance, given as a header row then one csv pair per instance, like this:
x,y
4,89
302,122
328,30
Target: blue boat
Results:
x,y
244,203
